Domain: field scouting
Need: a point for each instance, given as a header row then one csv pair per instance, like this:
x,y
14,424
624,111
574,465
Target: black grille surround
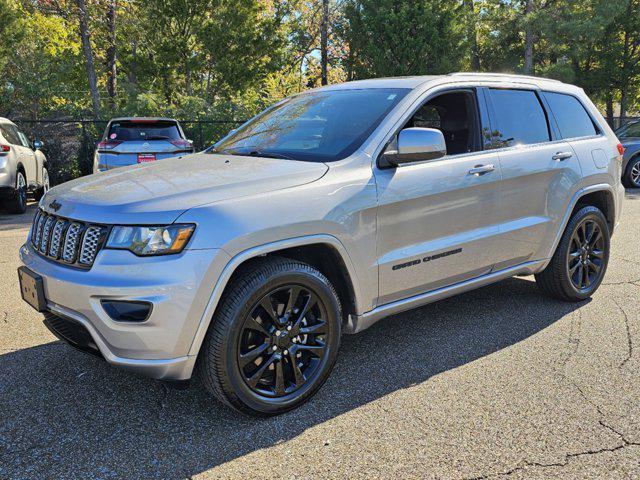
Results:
x,y
67,241
72,332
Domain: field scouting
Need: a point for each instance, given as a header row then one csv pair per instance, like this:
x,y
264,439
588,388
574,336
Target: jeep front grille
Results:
x,y
67,241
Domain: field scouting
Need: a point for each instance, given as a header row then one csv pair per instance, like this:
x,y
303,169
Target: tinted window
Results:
x,y
10,134
520,119
24,140
322,126
127,130
631,130
573,120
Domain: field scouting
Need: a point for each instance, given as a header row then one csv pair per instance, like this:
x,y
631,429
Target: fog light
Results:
x,y
127,311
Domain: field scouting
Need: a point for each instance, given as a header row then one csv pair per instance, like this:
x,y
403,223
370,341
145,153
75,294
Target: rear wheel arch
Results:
x,y
603,200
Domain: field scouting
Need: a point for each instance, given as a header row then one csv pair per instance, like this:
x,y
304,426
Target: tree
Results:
x,y
388,37
472,35
83,24
112,71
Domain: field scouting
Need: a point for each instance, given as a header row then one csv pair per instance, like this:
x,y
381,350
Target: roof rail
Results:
x,y
501,75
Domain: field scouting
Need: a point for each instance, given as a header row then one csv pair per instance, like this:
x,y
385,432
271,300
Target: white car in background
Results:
x,y
23,168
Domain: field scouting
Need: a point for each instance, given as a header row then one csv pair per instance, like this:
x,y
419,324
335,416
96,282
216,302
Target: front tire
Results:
x,y
274,338
580,261
18,204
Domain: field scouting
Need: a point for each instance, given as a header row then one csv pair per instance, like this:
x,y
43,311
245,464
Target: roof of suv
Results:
x,y
415,81
143,119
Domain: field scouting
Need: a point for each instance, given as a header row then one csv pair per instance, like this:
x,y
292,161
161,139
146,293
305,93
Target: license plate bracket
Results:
x,y
32,289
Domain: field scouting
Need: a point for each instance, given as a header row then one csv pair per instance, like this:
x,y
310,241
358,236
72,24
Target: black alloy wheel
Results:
x,y
585,256
283,341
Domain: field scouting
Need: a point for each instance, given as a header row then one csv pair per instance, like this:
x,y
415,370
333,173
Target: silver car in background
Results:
x,y
23,168
629,136
132,140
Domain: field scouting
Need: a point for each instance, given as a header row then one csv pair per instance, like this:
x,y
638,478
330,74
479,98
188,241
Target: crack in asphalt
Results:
x,y
574,341
629,339
628,282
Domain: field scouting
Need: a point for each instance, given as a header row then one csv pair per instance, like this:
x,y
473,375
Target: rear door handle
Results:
x,y
560,156
482,169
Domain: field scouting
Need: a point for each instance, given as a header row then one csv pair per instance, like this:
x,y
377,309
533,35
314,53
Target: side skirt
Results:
x,y
359,323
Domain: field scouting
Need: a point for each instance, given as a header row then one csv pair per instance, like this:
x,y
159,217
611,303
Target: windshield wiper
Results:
x,y
253,153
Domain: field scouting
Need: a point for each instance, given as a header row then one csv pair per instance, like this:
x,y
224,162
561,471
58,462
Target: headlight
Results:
x,y
160,240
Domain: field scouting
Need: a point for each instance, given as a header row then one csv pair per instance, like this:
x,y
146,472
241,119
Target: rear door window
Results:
x,y
143,131
573,120
519,118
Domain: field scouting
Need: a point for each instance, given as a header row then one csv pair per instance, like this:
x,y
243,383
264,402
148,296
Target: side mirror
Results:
x,y
38,144
416,145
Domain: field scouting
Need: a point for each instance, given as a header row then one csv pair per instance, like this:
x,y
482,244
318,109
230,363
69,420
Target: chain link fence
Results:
x,y
69,144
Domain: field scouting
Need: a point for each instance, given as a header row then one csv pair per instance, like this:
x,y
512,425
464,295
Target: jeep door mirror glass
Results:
x,y
416,145
38,144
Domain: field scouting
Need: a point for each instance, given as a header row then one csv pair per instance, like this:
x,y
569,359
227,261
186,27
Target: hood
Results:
x,y
158,192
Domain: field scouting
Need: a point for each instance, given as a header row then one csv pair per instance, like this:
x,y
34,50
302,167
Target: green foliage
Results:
x,y
231,58
389,38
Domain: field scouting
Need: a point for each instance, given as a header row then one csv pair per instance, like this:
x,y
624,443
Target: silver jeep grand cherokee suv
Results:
x,y
325,213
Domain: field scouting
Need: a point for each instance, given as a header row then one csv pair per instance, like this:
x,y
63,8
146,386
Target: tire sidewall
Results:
x,y
229,358
21,196
586,213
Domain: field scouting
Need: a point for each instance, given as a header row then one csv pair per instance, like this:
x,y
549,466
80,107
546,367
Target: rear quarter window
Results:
x,y
519,118
10,134
572,118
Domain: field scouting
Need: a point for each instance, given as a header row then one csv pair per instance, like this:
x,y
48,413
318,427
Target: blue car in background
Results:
x,y
133,140
629,136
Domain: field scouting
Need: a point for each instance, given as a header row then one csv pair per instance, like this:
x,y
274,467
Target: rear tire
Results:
x,y
266,361
18,204
580,261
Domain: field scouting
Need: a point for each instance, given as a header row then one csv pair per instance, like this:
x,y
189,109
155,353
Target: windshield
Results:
x,y
319,126
128,130
630,130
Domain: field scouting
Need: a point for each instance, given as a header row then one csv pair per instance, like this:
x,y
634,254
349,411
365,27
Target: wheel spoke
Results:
x,y
595,267
316,350
267,306
297,373
252,355
294,293
315,329
587,280
598,254
255,378
572,270
311,301
597,238
574,255
580,275
253,324
279,377
583,229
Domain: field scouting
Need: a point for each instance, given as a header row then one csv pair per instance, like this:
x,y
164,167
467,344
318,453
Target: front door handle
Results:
x,y
482,169
560,156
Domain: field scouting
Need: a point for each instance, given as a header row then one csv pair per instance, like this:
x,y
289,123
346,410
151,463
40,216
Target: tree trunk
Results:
x,y
472,35
324,40
112,71
132,74
528,40
624,102
88,56
609,102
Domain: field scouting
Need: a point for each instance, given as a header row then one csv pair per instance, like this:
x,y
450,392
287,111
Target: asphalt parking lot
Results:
x,y
499,382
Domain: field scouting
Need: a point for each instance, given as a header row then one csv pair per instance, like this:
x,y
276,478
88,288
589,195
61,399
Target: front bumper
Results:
x,y
178,286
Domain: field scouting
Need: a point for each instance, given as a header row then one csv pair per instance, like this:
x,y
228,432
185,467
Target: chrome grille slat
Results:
x,y
46,231
90,242
56,238
66,241
71,243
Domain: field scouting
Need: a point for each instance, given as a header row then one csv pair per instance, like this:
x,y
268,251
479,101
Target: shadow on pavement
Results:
x,y
67,414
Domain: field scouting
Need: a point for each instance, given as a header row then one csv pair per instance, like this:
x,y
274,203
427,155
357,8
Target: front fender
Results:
x,y
233,264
